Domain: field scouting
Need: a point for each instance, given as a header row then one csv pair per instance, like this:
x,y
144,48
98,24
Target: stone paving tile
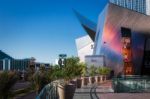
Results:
x,y
83,96
20,85
82,93
124,96
105,91
31,95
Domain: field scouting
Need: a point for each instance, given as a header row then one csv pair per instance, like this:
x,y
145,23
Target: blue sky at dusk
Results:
x,y
43,28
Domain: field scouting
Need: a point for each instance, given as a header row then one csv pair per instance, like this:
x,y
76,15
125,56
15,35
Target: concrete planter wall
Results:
x,y
79,82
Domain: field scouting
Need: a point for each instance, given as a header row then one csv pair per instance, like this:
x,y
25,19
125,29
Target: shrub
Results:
x,y
7,80
83,69
92,70
40,79
71,69
56,73
104,70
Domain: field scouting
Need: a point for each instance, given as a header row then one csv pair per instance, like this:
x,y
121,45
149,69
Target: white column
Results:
x,y
3,64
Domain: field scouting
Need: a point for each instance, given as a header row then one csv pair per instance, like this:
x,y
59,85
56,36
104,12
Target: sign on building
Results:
x,y
96,60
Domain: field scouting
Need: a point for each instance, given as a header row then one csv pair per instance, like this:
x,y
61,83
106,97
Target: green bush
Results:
x,y
104,70
56,73
83,69
92,70
7,80
70,69
73,68
40,79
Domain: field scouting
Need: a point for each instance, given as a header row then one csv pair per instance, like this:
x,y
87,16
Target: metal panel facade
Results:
x,y
110,45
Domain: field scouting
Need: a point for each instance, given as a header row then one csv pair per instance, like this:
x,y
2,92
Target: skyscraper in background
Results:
x,y
142,6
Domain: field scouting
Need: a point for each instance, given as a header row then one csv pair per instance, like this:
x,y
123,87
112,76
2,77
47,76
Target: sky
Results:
x,y
44,28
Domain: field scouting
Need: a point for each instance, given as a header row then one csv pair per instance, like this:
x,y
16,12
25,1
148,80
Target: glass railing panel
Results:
x,y
131,84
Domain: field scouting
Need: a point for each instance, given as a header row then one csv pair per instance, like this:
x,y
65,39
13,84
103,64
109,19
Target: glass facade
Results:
x,y
1,65
142,6
14,64
20,64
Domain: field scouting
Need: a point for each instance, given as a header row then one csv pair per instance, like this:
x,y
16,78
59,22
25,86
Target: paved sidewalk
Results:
x,y
21,85
82,93
124,95
31,95
92,91
105,91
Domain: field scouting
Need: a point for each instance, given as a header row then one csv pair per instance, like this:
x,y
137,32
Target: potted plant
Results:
x,y
65,88
78,69
83,74
103,71
100,72
97,78
92,74
106,71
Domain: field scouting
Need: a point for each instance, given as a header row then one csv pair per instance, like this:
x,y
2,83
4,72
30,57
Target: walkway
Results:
x,y
124,96
21,85
104,91
101,91
92,91
31,95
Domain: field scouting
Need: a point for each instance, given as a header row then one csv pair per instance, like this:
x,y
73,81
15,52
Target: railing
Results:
x,y
49,91
131,84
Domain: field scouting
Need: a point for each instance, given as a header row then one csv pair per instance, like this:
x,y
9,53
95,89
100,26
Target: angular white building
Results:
x,y
84,47
85,44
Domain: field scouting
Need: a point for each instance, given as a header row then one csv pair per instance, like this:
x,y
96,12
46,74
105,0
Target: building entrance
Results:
x,y
127,51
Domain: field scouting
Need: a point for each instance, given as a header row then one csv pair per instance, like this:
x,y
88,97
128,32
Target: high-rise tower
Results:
x,y
142,6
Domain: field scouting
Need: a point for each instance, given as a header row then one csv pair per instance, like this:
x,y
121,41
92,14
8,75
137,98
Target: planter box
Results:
x,y
91,80
79,82
66,91
84,81
74,81
101,78
96,79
